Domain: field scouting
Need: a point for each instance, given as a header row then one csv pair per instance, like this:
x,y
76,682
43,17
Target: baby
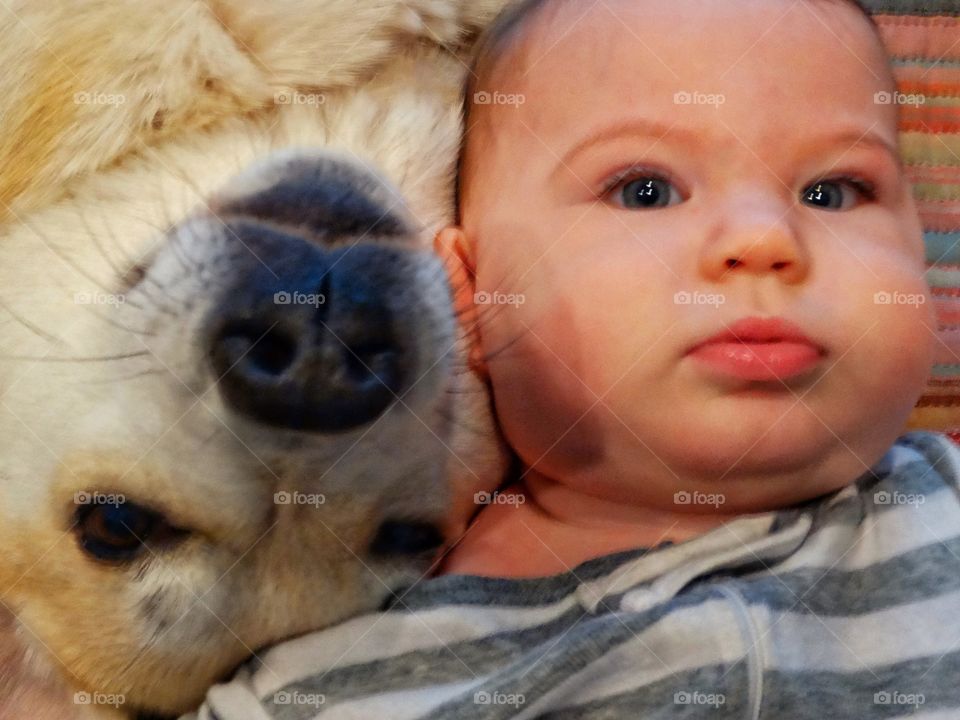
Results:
x,y
702,310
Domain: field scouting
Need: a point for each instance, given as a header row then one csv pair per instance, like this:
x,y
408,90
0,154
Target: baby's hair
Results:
x,y
500,37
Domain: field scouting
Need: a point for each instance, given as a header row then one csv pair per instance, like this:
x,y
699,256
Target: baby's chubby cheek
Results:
x,y
541,382
889,362
585,335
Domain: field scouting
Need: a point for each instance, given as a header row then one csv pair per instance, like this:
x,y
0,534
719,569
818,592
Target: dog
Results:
x,y
234,400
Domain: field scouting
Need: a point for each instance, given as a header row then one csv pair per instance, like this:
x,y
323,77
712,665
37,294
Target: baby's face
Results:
x,y
657,184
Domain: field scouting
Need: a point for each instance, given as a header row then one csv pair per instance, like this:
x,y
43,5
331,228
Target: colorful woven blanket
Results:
x,y
923,38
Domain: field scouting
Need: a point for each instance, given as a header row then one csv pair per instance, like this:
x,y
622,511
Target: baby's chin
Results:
x,y
755,460
778,472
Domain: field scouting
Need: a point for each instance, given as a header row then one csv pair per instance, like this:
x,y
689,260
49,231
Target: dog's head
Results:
x,y
234,400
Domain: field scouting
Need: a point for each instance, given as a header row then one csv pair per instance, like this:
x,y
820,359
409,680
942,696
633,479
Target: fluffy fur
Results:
x,y
124,122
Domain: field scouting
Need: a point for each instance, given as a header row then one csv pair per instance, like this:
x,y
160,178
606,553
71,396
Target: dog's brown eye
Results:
x,y
406,537
117,532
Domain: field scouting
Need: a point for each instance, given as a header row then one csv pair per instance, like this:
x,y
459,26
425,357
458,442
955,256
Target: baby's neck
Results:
x,y
539,527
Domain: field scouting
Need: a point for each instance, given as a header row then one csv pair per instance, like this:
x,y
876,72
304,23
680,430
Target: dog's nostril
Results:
x,y
270,351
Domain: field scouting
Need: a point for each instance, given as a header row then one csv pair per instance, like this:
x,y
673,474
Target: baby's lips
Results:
x,y
759,349
759,361
760,330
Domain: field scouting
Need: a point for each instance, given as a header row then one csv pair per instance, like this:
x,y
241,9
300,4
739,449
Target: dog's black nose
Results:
x,y
308,338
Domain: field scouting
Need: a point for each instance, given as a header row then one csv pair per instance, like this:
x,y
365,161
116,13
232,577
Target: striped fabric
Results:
x,y
923,38
846,607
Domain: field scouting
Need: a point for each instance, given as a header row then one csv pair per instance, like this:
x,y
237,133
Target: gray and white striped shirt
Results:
x,y
845,607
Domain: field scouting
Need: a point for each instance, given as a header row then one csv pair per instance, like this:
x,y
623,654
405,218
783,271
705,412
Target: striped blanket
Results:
x,y
923,38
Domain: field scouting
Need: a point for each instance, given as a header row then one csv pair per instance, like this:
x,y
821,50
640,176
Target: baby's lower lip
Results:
x,y
776,360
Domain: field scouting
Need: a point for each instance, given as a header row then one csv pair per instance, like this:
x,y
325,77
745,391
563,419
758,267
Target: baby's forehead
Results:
x,y
560,54
531,31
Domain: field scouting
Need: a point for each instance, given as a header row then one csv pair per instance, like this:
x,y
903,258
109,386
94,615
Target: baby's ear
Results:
x,y
457,253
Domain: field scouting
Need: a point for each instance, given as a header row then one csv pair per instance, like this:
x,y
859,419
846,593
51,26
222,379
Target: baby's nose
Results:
x,y
756,243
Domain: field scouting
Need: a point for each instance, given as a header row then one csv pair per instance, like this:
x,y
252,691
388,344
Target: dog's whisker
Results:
x,y
179,254
120,272
123,378
29,325
103,358
180,249
172,233
147,280
159,229
150,299
186,182
95,239
52,246
119,325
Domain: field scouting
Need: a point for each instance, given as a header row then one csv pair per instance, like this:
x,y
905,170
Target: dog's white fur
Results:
x,y
122,122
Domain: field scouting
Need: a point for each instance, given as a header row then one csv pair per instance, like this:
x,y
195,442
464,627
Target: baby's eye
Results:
x,y
839,194
642,192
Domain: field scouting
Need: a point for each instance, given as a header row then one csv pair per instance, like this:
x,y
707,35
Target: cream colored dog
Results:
x,y
233,397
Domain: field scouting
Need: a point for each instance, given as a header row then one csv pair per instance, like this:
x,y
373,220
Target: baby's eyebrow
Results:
x,y
653,129
657,130
856,137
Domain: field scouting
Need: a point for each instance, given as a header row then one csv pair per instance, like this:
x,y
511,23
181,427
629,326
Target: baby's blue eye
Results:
x,y
837,194
647,192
